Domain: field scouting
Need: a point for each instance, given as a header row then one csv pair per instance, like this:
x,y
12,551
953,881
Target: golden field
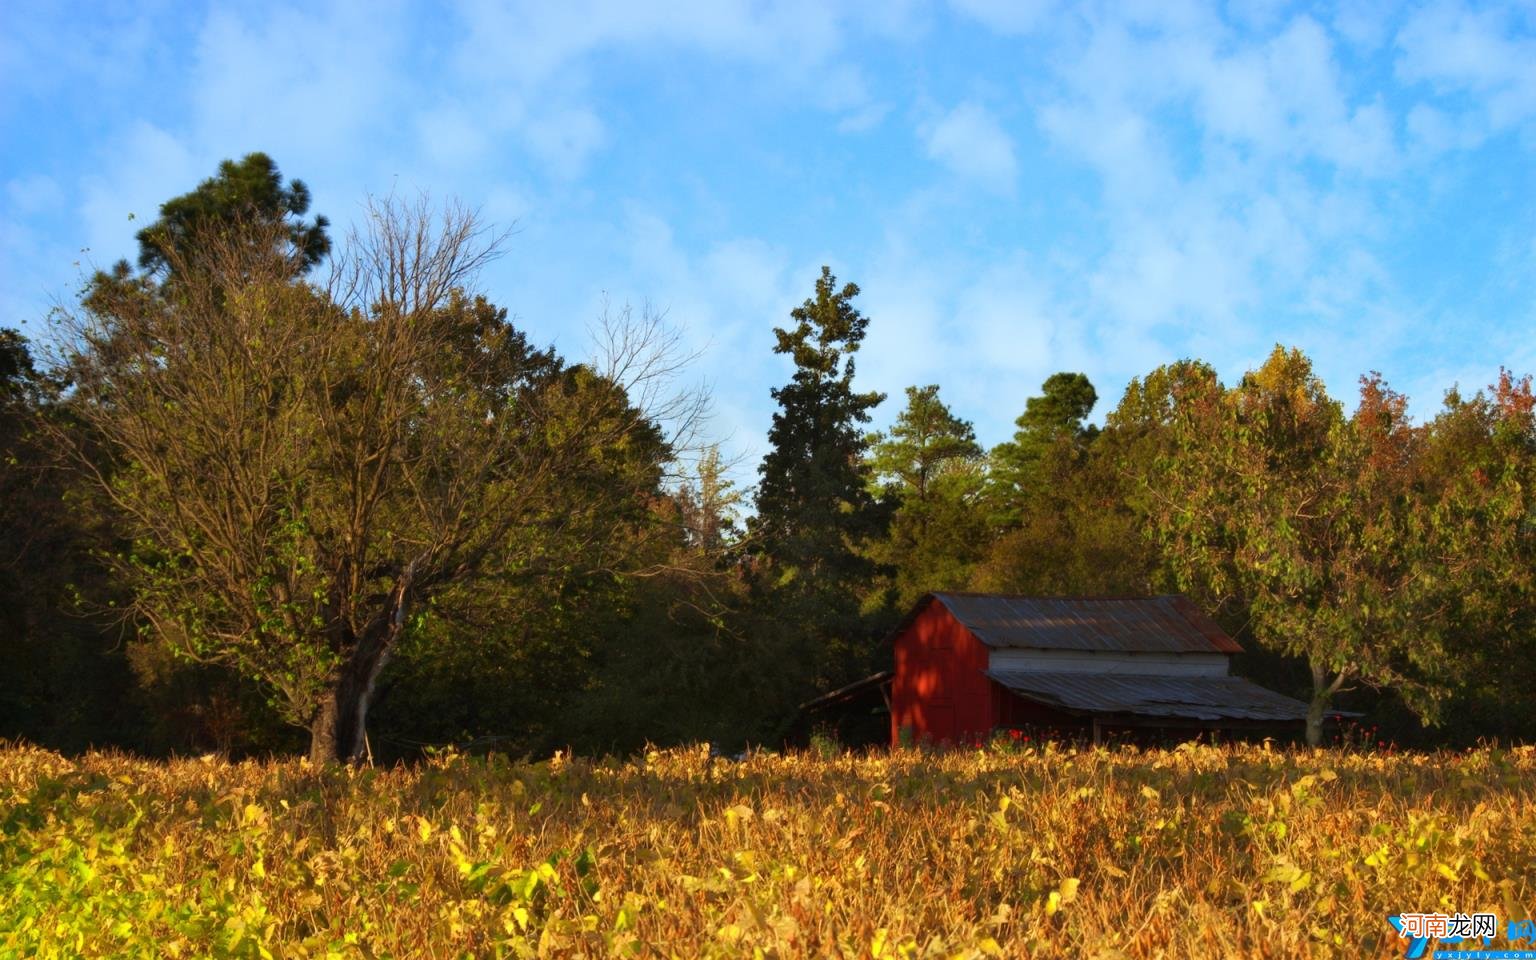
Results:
x,y
1195,851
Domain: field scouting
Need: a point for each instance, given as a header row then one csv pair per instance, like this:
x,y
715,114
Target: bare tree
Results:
x,y
305,467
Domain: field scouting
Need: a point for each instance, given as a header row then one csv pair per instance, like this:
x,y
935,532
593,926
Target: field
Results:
x,y
1190,852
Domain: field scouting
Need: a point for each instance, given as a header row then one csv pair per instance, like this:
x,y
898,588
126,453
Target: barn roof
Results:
x,y
1163,624
1198,698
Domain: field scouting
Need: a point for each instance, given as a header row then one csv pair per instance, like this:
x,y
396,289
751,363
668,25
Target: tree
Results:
x,y
814,507
930,467
1268,497
1059,413
925,440
66,683
309,473
1059,503
248,192
1078,535
707,505
1477,468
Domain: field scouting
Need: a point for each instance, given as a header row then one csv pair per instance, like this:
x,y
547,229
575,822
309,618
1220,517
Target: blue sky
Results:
x,y
1018,187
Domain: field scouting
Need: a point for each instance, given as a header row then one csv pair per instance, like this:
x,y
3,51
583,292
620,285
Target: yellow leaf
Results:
x,y
1069,889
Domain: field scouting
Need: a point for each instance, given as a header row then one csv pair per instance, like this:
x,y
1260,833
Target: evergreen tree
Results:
x,y
924,441
1058,414
814,505
930,466
246,193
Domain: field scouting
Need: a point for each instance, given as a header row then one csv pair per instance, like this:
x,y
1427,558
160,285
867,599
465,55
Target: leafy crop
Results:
x,y
1198,851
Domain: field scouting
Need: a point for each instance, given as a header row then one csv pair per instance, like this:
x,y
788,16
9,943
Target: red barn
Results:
x,y
967,664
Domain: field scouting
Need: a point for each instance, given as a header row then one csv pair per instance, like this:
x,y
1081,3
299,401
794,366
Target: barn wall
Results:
x,y
1017,711
941,691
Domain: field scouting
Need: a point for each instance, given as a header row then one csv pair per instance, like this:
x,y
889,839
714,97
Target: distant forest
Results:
x,y
270,490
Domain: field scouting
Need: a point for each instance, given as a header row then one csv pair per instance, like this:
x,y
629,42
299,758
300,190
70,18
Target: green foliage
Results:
x,y
1057,499
708,504
814,506
930,467
311,497
1477,524
1267,497
244,192
65,680
300,472
1079,534
1018,471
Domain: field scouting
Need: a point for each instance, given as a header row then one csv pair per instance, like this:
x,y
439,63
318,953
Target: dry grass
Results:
x,y
1198,851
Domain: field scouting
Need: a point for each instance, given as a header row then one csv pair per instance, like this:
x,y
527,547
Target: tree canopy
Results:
x,y
1058,414
305,471
245,192
930,468
257,480
814,505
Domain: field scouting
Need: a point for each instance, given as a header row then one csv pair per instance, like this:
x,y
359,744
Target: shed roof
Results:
x,y
1162,624
1198,698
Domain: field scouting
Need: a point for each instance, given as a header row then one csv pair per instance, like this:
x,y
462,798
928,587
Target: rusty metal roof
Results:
x,y
1165,624
1198,698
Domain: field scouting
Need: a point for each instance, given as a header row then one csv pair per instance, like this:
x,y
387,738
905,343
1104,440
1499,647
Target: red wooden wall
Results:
x,y
941,690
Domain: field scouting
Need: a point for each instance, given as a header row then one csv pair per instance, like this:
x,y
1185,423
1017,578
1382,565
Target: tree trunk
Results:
x,y
337,730
322,732
1317,712
336,735
1322,697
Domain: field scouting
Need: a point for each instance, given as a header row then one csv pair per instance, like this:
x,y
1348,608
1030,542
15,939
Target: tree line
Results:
x,y
270,491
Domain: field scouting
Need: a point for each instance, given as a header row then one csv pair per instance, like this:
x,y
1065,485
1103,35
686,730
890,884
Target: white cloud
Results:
x,y
971,143
725,300
864,119
317,81
530,52
147,166
564,140
1365,24
32,194
1237,174
1476,53
451,136
1008,16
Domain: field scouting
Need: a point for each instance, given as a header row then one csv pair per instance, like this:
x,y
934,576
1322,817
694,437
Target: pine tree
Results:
x,y
1057,415
931,468
814,505
244,193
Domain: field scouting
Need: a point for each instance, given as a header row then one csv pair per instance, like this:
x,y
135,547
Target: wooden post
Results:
x,y
1097,735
